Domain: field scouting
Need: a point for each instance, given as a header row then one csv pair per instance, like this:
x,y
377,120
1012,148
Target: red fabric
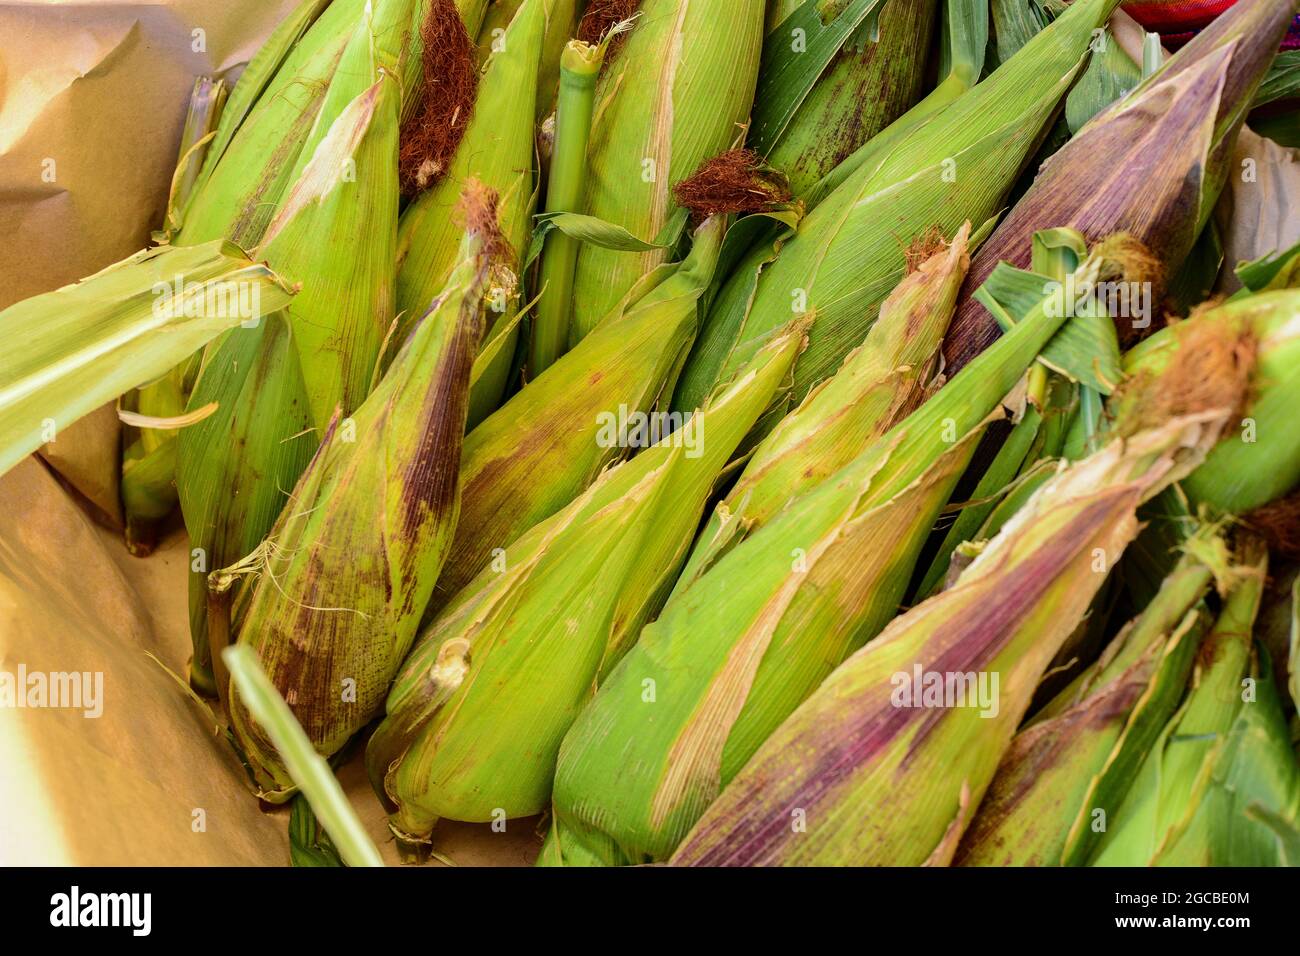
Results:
x,y
1176,16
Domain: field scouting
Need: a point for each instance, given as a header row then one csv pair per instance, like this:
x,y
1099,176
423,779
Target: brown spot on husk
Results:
x,y
1210,367
430,137
737,181
1278,523
601,17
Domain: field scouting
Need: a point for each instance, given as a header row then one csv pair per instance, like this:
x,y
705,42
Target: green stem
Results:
x,y
579,66
308,769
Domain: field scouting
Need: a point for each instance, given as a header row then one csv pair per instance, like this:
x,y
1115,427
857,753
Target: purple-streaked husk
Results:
x,y
861,775
1152,165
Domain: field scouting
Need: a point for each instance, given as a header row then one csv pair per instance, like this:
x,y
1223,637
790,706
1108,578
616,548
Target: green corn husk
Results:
x,y
283,106
231,501
498,150
560,27
871,82
345,191
1168,149
677,93
501,673
954,165
741,644
541,449
1225,750
1040,785
879,385
858,775
1260,461
73,349
267,119
149,493
351,562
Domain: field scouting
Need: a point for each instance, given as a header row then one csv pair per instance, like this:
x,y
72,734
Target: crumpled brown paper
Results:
x,y
148,781
92,99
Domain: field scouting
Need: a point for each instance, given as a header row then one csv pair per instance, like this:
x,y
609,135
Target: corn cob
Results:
x,y
497,150
1044,776
345,188
877,768
230,502
675,95
149,495
267,119
880,384
515,655
543,447
845,257
351,562
1183,807
741,644
871,82
1168,146
1256,337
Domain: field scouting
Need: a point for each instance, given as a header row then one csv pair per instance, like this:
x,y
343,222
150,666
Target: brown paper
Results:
x,y
149,781
92,100
88,455
1260,210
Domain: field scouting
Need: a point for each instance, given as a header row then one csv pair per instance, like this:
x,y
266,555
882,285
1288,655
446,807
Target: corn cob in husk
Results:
x,y
880,383
349,566
677,93
741,644
875,767
267,119
336,231
1047,772
344,187
499,676
232,201
1168,147
497,149
543,447
872,81
956,164
1225,751
1256,337
230,501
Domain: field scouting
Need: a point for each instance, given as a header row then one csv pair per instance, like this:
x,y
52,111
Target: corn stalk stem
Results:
x,y
309,770
579,68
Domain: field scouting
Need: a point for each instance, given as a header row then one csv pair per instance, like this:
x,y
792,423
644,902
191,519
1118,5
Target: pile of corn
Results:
x,y
736,433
